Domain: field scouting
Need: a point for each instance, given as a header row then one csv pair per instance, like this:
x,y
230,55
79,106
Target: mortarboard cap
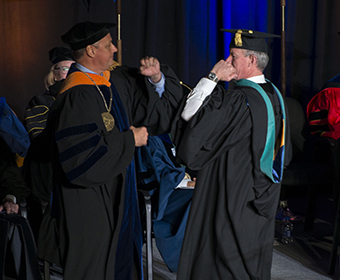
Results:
x,y
249,39
86,33
58,54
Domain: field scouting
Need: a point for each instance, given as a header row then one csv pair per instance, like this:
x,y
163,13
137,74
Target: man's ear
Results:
x,y
90,50
253,59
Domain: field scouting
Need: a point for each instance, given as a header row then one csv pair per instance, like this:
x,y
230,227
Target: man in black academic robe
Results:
x,y
94,126
235,140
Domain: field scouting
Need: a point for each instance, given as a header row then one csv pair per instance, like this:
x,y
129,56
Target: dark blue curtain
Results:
x,y
184,34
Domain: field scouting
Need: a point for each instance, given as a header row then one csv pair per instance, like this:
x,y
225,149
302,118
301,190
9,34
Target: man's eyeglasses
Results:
x,y
62,68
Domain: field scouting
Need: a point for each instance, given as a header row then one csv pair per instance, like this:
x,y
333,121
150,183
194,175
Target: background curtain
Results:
x,y
184,34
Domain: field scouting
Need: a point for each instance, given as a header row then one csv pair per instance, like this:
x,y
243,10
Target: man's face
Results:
x,y
104,52
240,62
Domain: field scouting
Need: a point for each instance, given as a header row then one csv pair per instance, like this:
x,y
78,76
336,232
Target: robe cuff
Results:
x,y
196,97
183,184
159,87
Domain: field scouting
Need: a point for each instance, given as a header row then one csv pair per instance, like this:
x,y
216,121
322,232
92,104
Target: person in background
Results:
x,y
98,119
62,58
235,140
20,258
16,234
37,169
323,110
14,143
13,188
37,109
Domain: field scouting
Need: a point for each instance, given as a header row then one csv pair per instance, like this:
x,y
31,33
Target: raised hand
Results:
x,y
224,71
150,67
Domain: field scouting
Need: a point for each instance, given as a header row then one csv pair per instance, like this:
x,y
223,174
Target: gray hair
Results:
x,y
262,58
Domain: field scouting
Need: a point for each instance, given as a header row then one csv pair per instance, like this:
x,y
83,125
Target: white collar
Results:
x,y
258,79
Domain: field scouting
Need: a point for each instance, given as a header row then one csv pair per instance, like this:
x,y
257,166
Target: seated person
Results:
x,y
171,189
16,234
14,143
13,188
324,109
16,237
38,107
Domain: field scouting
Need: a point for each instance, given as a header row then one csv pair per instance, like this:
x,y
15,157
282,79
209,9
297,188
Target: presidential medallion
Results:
x,y
108,120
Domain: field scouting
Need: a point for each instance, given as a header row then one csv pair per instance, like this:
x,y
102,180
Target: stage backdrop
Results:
x,y
182,33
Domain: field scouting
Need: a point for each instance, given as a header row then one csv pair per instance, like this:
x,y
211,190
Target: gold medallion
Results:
x,y
108,120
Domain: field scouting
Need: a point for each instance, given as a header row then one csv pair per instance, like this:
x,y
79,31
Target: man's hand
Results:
x,y
224,71
150,67
141,135
10,207
191,184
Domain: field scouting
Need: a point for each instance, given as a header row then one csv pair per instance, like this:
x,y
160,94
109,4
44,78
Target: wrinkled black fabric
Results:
x,y
230,228
18,248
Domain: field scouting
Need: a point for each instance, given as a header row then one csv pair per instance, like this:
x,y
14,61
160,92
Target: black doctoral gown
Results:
x,y
37,110
90,171
230,228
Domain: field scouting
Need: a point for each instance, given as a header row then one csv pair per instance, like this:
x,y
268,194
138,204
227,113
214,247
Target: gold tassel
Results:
x,y
238,39
187,176
113,66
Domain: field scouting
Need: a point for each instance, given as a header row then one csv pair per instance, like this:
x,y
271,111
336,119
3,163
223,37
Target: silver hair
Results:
x,y
262,58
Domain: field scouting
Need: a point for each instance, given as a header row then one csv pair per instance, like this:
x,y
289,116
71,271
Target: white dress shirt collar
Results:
x,y
258,79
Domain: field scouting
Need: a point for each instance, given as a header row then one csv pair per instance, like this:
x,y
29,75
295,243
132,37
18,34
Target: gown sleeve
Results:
x,y
219,124
36,114
141,99
86,151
